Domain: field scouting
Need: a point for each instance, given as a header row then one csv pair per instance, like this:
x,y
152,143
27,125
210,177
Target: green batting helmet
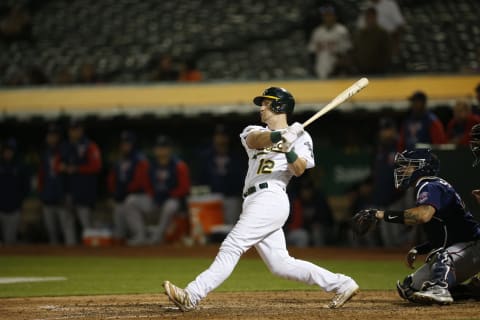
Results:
x,y
282,100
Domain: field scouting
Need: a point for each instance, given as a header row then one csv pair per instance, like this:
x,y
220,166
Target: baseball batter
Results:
x,y
276,153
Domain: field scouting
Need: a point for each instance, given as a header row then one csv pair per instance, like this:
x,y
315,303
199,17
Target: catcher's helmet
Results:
x,y
475,143
282,100
410,165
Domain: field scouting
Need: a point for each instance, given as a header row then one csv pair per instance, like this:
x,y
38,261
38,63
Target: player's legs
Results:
x,y
465,259
231,209
9,222
167,211
135,208
84,214
119,221
67,223
50,221
298,238
263,213
273,251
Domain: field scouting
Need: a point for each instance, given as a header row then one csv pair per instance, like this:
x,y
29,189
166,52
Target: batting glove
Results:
x,y
290,135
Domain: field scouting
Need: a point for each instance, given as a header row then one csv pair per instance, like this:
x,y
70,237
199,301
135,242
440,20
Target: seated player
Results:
x,y
128,184
451,230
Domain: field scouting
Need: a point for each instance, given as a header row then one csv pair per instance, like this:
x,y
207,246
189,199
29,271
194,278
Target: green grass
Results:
x,y
106,275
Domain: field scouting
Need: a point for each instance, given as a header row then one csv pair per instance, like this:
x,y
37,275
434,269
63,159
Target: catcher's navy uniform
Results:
x,y
452,222
453,237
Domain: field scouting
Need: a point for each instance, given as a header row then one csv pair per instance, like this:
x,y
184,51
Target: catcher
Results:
x,y
453,234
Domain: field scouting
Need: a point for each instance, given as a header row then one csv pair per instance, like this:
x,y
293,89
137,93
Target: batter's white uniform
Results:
x,y
263,215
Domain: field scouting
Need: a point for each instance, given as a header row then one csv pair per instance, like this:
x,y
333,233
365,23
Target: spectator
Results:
x,y
384,193
420,125
372,47
389,17
189,72
330,43
81,162
128,184
458,128
164,70
51,190
14,188
311,222
360,195
223,171
169,185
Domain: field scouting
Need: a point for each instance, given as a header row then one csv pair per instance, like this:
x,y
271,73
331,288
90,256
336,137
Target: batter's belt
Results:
x,y
253,189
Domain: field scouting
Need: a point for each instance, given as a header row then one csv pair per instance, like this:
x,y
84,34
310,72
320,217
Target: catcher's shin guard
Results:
x,y
404,289
443,271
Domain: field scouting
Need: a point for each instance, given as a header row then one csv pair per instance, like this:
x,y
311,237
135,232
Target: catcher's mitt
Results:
x,y
364,221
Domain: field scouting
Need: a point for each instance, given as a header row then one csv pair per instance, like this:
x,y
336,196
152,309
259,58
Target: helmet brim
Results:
x,y
258,100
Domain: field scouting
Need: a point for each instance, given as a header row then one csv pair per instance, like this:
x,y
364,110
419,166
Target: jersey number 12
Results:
x,y
265,166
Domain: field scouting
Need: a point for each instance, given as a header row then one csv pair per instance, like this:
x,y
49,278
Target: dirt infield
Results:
x,y
220,305
255,305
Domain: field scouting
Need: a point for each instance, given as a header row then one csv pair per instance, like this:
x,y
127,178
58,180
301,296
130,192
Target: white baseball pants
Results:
x,y
260,225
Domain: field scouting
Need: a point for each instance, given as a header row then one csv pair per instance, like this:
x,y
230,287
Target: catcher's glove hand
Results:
x,y
364,221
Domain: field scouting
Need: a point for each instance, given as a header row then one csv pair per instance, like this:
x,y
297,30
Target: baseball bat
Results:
x,y
339,99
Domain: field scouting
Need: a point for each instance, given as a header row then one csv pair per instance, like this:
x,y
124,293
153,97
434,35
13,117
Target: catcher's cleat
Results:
x,y
435,294
179,297
341,298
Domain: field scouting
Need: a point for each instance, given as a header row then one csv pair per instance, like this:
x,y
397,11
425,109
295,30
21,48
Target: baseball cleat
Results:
x,y
433,295
178,296
341,298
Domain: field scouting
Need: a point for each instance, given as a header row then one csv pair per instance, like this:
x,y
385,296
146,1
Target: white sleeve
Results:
x,y
247,131
303,147
395,14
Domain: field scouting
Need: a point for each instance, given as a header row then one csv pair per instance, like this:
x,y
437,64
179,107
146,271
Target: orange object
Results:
x,y
207,212
97,238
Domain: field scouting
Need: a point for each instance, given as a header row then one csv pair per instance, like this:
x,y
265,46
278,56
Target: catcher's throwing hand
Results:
x,y
290,135
411,257
364,221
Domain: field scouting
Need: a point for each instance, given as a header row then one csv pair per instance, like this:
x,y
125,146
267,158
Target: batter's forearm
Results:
x,y
261,140
296,165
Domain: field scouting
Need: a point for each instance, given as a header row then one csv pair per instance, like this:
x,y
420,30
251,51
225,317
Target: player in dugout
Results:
x,y
276,153
127,183
452,233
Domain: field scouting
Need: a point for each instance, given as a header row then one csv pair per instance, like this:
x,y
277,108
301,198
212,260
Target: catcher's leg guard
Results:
x,y
443,271
404,289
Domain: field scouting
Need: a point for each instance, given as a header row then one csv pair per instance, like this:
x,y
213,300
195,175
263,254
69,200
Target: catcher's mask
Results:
x,y
410,165
475,144
282,100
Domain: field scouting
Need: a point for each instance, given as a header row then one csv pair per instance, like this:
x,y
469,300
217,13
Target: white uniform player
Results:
x,y
276,153
328,42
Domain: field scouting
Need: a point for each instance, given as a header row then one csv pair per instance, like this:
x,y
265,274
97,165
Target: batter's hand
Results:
x,y
411,257
290,135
